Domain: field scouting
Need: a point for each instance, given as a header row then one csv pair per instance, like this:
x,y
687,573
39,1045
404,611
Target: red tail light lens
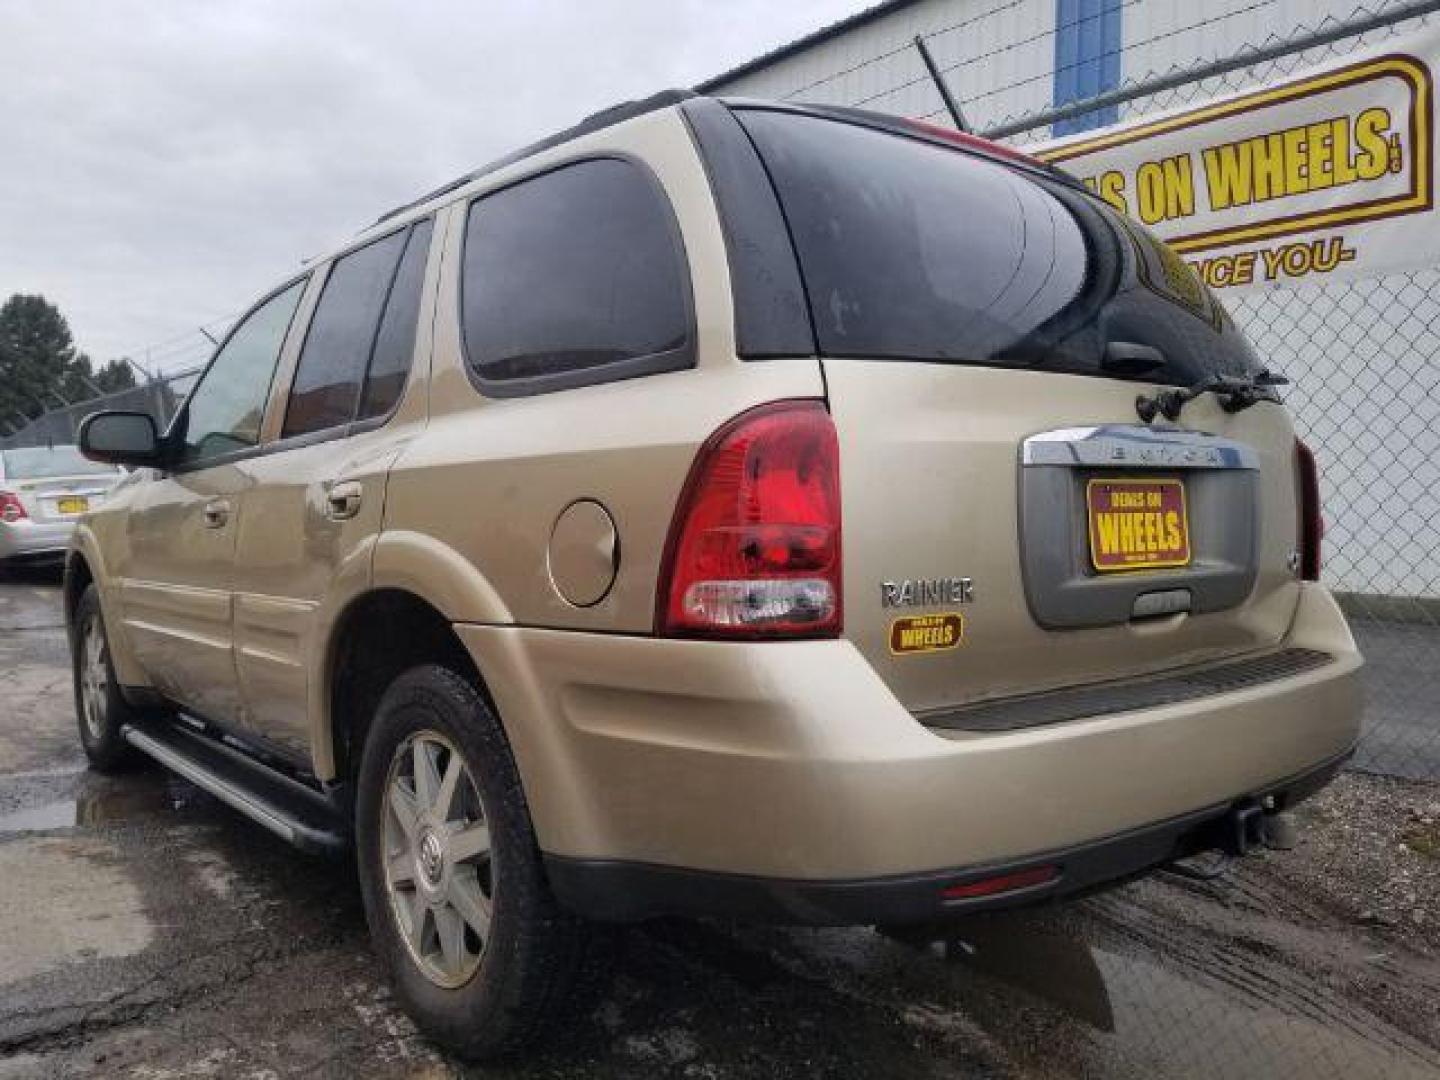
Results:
x,y
1312,523
754,550
11,509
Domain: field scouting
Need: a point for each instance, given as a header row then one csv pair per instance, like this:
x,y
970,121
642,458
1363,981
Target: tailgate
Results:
x,y
1011,525
985,513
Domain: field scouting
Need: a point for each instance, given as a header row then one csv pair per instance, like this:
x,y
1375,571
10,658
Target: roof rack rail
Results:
x,y
615,114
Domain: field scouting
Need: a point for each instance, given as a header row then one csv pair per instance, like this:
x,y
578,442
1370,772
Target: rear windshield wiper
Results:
x,y
1235,393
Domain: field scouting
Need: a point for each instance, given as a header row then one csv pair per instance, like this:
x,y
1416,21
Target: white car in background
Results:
x,y
44,490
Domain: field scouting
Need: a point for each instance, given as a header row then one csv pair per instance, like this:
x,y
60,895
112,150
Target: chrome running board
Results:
x,y
298,814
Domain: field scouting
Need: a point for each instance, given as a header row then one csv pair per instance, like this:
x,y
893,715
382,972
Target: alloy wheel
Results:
x,y
94,677
437,862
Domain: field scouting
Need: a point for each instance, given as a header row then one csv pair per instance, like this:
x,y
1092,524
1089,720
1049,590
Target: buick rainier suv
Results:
x,y
720,508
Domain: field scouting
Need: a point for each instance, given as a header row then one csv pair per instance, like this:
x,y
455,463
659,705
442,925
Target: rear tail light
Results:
x,y
11,509
754,550
1312,524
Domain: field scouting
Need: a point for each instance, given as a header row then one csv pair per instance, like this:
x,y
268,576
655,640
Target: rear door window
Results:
x,y
326,389
912,250
395,342
574,276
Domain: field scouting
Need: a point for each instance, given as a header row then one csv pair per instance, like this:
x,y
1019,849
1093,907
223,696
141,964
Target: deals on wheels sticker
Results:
x,y
1329,173
927,633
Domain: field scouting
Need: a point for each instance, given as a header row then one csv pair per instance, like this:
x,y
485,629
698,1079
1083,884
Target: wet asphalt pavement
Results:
x,y
146,931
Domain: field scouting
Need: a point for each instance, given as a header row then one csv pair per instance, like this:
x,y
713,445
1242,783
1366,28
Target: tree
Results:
x,y
40,368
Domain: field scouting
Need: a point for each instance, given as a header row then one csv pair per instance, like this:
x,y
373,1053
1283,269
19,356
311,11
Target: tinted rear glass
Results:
x,y
916,251
395,341
342,333
574,270
40,463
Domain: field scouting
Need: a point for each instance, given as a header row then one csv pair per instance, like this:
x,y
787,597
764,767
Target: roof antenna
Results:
x,y
951,105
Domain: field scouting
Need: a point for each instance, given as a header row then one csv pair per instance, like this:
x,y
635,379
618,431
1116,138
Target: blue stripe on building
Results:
x,y
1087,58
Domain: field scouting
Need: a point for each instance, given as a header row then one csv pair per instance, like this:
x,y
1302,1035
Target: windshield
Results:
x,y
44,462
916,251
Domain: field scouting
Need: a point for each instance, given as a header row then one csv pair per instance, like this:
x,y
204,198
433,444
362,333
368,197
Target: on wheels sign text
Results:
x,y
1329,173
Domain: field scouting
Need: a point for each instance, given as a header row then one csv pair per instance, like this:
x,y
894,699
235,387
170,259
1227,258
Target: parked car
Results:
x,y
720,508
44,490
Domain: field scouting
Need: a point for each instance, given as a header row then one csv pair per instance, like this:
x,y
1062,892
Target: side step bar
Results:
x,y
296,813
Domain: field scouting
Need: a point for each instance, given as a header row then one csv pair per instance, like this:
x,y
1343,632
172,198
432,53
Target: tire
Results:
x,y
491,986
100,710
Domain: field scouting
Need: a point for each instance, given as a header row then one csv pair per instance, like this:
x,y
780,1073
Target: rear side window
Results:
x,y
575,276
916,251
366,316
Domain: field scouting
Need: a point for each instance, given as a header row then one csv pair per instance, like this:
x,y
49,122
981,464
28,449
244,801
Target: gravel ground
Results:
x,y
148,933
1372,849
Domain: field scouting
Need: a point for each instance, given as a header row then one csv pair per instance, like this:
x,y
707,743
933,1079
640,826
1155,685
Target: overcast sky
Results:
x,y
163,161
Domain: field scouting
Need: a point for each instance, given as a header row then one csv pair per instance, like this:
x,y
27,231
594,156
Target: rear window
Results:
x,y
42,463
916,251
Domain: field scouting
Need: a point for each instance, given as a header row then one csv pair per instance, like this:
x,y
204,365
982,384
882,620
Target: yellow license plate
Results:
x,y
73,504
1137,524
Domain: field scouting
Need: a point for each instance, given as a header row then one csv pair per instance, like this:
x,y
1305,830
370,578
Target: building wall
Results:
x,y
875,66
1001,55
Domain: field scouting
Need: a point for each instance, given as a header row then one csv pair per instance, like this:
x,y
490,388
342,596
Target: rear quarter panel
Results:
x,y
473,500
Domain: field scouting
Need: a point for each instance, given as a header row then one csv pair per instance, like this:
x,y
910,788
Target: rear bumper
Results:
x,y
627,892
35,540
794,764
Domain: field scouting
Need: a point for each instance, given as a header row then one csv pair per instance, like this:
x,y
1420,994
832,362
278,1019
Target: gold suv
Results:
x,y
725,508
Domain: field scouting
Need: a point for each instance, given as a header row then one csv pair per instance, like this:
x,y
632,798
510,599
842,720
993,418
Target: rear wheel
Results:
x,y
455,893
99,706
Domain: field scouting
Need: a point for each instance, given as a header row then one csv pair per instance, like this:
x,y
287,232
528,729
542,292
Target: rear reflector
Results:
x,y
1002,883
754,549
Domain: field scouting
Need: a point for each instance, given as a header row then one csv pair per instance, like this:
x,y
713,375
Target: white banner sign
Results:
x,y
1327,174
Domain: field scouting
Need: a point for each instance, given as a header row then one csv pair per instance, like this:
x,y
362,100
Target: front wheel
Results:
x,y
99,706
454,889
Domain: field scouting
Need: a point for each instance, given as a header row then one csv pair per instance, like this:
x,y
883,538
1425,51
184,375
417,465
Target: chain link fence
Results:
x,y
159,397
169,368
1372,415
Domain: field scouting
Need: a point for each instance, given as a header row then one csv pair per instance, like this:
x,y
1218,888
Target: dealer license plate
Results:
x,y
1137,524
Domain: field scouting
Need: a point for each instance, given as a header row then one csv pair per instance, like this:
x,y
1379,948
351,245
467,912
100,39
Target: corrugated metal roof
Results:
x,y
825,33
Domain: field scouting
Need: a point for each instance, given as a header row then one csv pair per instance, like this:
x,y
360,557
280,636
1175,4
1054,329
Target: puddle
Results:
x,y
93,800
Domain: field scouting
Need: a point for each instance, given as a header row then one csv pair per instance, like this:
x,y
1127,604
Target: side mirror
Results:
x,y
120,438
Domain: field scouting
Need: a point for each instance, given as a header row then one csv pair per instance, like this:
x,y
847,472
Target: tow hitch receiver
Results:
x,y
1245,829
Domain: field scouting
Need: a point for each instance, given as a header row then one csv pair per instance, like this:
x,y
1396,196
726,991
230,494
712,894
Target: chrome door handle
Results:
x,y
343,500
217,513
